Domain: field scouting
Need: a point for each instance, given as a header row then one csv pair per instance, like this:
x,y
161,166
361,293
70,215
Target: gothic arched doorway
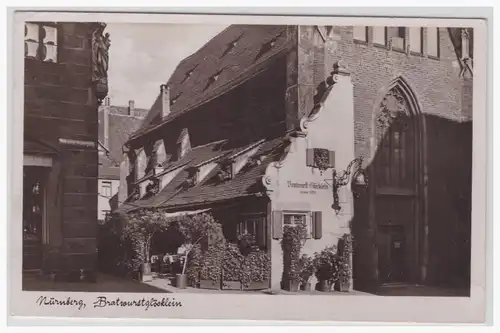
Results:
x,y
398,191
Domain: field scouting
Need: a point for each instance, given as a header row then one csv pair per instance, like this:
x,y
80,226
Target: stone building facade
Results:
x,y
65,80
239,125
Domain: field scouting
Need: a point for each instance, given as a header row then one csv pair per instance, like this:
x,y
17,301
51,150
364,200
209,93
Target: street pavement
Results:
x,y
105,284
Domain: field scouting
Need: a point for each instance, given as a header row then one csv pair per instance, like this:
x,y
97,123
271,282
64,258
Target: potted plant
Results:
x,y
231,267
195,228
345,271
306,267
291,245
140,229
326,268
256,270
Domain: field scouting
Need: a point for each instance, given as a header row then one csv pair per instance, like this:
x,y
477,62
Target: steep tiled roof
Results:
x,y
246,182
223,62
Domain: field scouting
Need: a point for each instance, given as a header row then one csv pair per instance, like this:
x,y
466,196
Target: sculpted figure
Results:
x,y
100,53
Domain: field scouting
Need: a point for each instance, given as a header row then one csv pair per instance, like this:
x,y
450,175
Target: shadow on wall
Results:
x,y
419,179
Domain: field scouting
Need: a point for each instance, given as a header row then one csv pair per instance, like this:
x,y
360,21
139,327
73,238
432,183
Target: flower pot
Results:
x,y
305,286
231,285
291,285
324,286
209,284
181,281
344,287
254,285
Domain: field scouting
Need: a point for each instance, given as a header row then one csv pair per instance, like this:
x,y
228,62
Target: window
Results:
x,y
293,219
313,220
106,189
415,39
249,226
360,33
40,42
379,35
396,151
433,42
396,36
255,226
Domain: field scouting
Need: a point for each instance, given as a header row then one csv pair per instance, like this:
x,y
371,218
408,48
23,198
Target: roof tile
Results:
x,y
229,55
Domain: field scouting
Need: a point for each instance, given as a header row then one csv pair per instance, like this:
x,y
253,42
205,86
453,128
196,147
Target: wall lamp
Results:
x,y
359,180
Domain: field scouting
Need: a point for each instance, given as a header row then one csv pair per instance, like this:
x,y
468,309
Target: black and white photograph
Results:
x,y
223,158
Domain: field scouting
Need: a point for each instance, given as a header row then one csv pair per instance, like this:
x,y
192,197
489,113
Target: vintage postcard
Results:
x,y
240,167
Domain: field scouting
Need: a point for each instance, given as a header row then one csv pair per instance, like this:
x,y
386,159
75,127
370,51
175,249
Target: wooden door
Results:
x,y
392,260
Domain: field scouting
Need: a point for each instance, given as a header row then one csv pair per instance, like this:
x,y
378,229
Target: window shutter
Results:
x,y
331,158
277,224
317,224
261,232
310,157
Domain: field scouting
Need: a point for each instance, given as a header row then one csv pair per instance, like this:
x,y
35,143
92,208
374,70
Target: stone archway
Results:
x,y
398,195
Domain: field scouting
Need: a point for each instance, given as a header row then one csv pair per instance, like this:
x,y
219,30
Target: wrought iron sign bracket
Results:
x,y
342,179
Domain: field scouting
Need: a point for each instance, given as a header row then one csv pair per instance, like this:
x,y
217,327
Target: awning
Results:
x,y
186,213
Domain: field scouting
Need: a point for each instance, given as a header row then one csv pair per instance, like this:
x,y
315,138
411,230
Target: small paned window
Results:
x,y
40,42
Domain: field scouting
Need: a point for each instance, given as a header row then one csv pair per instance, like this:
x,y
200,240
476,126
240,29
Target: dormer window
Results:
x,y
189,73
153,187
231,45
183,144
226,170
136,193
216,76
213,78
141,164
173,100
192,179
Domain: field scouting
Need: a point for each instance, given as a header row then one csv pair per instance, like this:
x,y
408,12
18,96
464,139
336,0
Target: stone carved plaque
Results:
x,y
393,109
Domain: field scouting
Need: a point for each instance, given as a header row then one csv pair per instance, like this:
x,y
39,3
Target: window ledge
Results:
x,y
397,49
417,54
359,41
381,46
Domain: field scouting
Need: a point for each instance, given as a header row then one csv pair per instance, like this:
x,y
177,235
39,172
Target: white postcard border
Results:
x,y
264,307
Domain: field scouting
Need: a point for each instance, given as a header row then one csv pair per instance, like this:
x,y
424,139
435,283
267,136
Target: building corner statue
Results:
x,y
100,61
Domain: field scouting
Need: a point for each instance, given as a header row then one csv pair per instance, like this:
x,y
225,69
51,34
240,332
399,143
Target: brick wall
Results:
x,y
445,100
60,103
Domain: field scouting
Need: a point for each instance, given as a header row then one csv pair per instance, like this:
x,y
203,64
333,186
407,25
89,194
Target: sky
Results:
x,y
143,56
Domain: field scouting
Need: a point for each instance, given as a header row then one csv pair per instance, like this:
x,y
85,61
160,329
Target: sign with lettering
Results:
x,y
80,143
307,187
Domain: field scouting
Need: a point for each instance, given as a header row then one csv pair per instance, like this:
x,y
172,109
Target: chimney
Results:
x,y
106,111
131,107
165,100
